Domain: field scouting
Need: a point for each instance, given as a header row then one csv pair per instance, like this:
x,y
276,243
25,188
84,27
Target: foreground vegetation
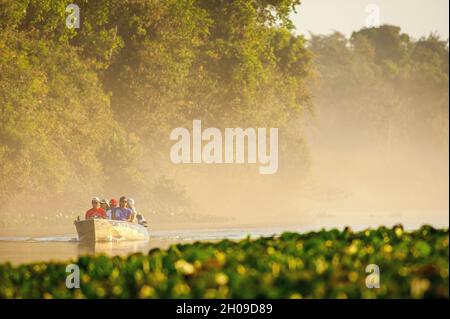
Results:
x,y
325,264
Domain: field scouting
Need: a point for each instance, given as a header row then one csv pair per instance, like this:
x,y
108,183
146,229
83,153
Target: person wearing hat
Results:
x,y
122,212
113,203
96,211
104,205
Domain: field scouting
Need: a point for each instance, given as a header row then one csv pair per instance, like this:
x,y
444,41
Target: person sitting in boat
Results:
x,y
96,211
112,204
122,212
130,205
104,205
137,217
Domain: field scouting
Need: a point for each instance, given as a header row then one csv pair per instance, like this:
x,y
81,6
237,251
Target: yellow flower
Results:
x,y
181,289
353,276
419,287
117,290
184,267
398,232
47,295
85,278
387,249
352,249
241,270
159,276
100,292
321,265
221,279
276,269
221,257
146,292
115,273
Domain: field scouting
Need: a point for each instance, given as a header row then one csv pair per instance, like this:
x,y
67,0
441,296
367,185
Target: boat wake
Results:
x,y
163,235
62,238
179,235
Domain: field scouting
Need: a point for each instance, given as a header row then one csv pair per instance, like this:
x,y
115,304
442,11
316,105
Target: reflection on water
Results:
x,y
113,248
27,251
66,247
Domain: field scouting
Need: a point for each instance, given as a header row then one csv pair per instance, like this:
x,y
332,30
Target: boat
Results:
x,y
104,230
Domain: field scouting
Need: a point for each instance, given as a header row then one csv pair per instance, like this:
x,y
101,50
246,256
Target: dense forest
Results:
x,y
392,89
86,111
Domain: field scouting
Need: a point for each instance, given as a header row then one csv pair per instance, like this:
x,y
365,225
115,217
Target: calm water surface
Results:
x,y
22,245
24,249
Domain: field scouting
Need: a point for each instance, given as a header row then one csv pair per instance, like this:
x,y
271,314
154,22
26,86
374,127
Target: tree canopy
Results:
x,y
81,108
89,110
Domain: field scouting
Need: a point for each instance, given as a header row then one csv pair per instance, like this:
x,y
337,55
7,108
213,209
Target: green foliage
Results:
x,y
324,264
52,107
389,88
389,43
72,100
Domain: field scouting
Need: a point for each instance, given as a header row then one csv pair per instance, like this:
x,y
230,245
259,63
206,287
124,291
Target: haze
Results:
x,y
363,125
416,17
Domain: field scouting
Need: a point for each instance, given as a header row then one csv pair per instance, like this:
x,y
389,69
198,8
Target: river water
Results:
x,y
25,249
25,245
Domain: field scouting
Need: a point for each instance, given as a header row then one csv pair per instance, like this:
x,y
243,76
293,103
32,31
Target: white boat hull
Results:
x,y
104,230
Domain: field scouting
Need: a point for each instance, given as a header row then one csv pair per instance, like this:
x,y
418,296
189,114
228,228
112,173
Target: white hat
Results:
x,y
96,199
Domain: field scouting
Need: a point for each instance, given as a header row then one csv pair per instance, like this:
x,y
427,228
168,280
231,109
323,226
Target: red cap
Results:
x,y
113,202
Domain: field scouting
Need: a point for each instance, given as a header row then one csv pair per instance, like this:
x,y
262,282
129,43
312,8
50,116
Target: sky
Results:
x,y
416,17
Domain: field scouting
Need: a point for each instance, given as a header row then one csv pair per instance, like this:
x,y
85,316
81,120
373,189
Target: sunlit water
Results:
x,y
25,249
63,248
